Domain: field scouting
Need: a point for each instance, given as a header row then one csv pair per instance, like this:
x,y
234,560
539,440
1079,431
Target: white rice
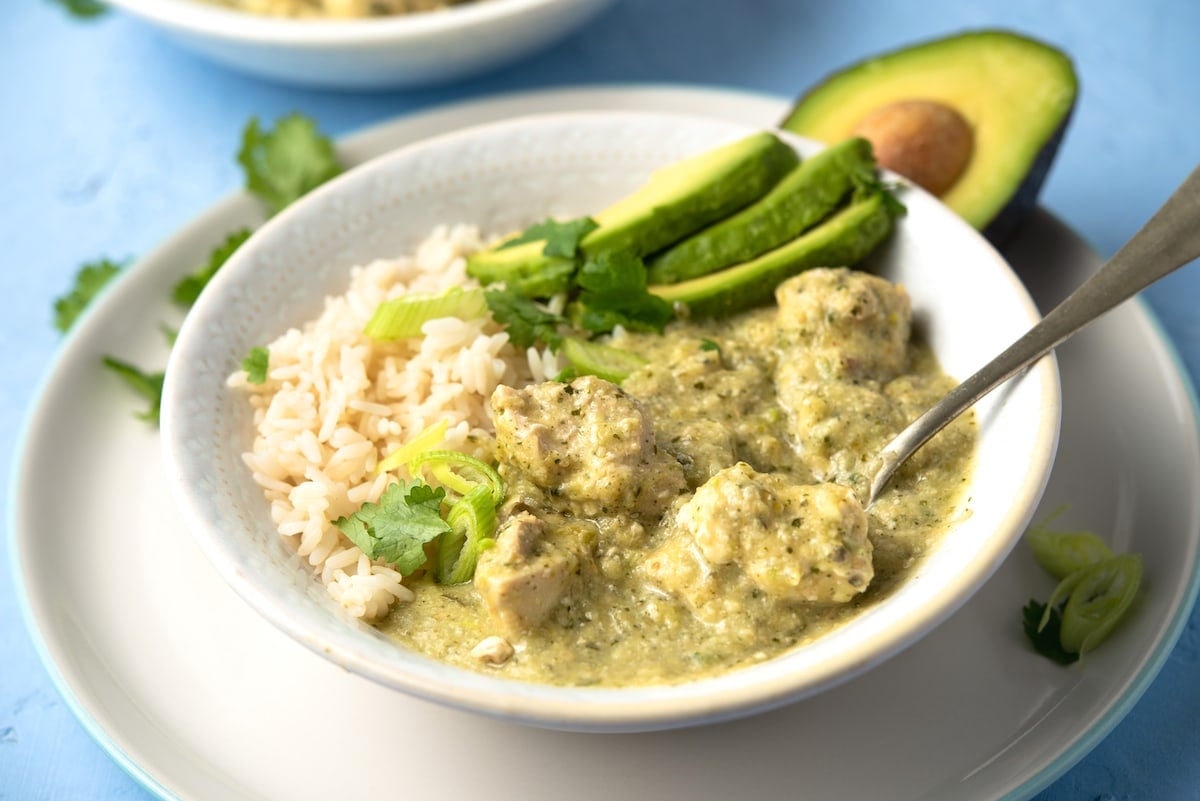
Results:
x,y
336,403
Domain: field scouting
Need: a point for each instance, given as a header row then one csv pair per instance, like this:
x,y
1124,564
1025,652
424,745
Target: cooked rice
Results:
x,y
335,403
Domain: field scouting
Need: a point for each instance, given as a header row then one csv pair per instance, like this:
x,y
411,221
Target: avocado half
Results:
x,y
1015,93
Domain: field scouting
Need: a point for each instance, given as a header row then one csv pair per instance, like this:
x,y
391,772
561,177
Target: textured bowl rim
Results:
x,y
230,24
728,695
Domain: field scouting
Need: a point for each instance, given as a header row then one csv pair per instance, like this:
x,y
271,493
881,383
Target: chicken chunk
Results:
x,y
843,325
838,428
589,445
795,542
529,574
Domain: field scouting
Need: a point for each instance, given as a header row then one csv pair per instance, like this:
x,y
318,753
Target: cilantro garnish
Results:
x,y
190,287
524,320
1045,639
91,278
396,529
614,293
283,164
148,385
708,344
562,238
83,9
255,365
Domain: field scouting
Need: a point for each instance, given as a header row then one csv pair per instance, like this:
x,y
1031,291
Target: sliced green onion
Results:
x,y
1100,598
1061,553
431,436
472,521
605,361
403,317
460,472
1061,593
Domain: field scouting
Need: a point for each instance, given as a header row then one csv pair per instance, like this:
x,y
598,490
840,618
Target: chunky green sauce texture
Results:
x,y
704,515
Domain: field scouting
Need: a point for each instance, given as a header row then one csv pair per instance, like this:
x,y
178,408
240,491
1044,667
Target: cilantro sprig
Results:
x,y
396,529
285,163
614,293
146,384
562,238
525,321
255,364
606,290
89,280
188,289
83,9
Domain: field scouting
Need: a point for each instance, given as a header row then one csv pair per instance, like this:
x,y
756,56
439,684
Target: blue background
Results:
x,y
111,139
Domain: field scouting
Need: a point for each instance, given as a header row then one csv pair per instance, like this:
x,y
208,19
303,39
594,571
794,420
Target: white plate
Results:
x,y
199,698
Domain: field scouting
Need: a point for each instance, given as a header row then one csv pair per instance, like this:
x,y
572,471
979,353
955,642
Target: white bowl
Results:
x,y
378,53
502,177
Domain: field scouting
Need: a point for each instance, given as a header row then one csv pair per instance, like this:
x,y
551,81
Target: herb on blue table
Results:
x,y
287,162
89,280
83,9
190,286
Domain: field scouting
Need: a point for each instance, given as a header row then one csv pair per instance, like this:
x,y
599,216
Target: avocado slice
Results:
x,y
844,239
805,196
674,202
1015,93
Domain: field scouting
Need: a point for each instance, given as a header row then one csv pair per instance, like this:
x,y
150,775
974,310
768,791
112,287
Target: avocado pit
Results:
x,y
927,142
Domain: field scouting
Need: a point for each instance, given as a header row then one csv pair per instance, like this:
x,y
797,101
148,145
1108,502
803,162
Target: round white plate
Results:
x,y
199,698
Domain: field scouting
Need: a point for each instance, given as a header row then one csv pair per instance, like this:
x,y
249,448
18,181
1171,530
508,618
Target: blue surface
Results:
x,y
112,139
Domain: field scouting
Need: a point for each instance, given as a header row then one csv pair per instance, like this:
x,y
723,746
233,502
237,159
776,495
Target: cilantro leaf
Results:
x,y
285,163
148,385
614,293
83,9
525,321
91,278
395,529
562,238
190,287
255,365
1046,640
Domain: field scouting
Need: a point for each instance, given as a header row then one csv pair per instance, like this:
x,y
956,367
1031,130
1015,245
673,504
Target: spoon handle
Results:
x,y
1168,241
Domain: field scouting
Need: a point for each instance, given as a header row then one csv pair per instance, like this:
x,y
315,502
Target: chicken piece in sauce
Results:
x,y
794,542
588,445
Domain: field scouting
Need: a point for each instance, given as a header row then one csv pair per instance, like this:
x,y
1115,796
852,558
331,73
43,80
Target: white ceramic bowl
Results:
x,y
502,177
379,53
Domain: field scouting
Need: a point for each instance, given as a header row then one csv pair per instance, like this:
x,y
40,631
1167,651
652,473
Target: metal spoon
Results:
x,y
1168,241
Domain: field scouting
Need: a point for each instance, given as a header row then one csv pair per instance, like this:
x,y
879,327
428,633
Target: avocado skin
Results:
x,y
1019,100
844,239
676,201
804,197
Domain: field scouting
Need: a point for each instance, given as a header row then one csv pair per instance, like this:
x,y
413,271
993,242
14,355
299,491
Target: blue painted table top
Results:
x,y
112,138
